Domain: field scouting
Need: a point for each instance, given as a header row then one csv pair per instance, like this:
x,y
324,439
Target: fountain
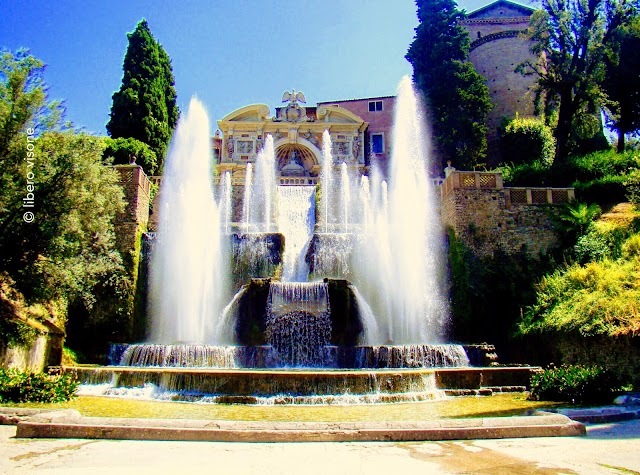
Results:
x,y
348,307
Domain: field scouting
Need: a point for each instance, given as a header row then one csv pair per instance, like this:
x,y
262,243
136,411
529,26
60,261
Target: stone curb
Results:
x,y
243,431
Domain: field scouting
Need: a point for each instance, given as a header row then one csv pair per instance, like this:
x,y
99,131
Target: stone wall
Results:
x,y
488,217
45,351
620,355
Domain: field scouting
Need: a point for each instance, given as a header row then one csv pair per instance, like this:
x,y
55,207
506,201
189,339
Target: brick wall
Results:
x,y
380,122
136,187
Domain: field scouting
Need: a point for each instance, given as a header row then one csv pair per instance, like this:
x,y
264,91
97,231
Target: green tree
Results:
x,y
123,151
527,140
455,94
145,106
65,250
23,100
621,83
570,40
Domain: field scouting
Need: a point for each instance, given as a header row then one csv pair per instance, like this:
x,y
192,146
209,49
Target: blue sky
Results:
x,y
229,53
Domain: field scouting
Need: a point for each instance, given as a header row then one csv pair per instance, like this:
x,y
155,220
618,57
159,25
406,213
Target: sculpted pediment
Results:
x,y
250,113
336,114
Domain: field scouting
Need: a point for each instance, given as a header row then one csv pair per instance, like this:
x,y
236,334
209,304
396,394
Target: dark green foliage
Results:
x,y
487,294
600,164
16,332
606,190
126,150
575,384
71,242
23,100
623,64
18,386
572,220
527,140
145,106
571,40
600,177
67,254
456,97
527,174
632,187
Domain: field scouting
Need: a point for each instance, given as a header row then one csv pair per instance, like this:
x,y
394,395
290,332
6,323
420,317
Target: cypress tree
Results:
x,y
455,94
145,106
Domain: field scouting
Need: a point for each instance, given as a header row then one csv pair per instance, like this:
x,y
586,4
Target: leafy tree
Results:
x,y
124,151
621,83
66,249
145,106
70,243
527,140
456,96
570,39
23,100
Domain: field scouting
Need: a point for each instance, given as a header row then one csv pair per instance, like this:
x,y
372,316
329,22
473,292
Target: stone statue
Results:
x,y
448,169
355,147
230,147
294,112
293,97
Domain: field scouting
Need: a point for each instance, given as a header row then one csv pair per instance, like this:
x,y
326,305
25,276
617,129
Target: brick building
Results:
x,y
497,48
378,113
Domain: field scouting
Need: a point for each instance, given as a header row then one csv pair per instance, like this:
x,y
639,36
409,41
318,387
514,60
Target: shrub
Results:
x,y
599,298
600,164
632,187
123,150
631,247
527,174
18,386
603,239
606,189
575,384
527,140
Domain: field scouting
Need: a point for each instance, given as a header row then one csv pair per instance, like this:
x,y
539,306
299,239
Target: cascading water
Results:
x,y
225,205
296,220
345,198
298,323
187,286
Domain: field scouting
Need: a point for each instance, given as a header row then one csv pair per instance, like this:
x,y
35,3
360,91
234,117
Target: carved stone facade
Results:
x,y
297,133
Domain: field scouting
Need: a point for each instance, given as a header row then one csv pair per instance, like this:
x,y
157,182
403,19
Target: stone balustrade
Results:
x,y
513,195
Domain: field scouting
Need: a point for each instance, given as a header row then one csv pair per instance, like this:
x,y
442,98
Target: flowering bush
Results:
x,y
19,386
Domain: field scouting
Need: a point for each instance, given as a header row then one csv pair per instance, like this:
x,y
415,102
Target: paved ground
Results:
x,y
608,449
